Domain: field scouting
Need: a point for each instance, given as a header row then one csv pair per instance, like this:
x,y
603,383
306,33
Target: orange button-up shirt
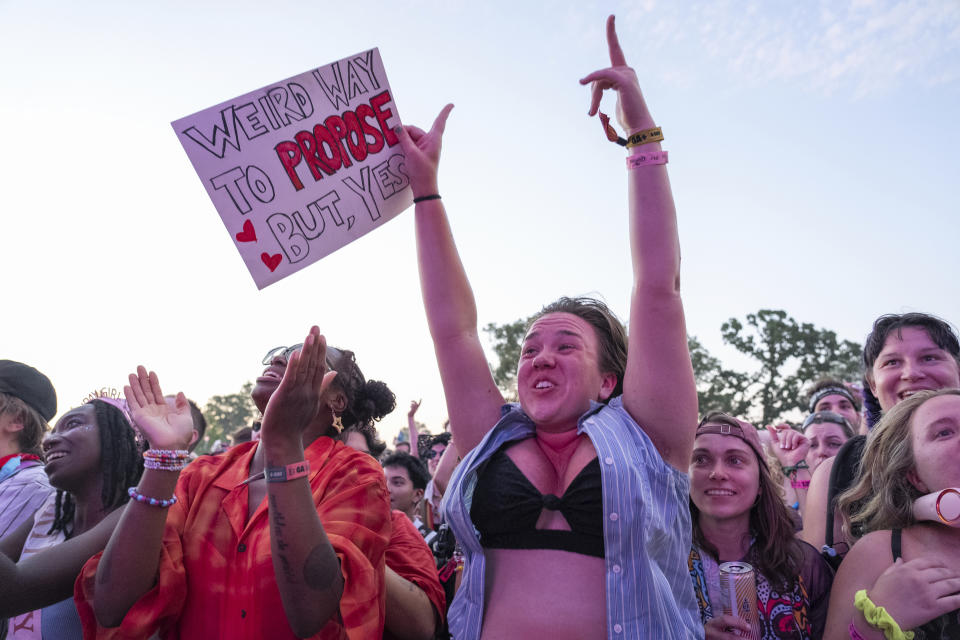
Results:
x,y
216,577
411,558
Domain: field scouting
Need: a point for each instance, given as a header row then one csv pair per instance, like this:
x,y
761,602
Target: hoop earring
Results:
x,y
337,422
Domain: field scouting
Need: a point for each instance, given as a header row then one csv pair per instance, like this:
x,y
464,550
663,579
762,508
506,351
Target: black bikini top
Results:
x,y
506,507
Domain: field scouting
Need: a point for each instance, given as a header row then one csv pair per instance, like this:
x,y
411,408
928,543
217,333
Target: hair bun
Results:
x,y
374,401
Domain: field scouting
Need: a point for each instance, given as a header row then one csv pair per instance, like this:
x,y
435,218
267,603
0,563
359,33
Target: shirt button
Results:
x,y
614,517
243,613
616,568
241,547
617,628
608,460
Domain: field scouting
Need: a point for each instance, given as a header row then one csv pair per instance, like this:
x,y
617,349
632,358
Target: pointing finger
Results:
x,y
617,58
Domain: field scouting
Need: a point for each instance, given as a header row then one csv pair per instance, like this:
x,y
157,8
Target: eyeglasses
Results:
x,y
333,354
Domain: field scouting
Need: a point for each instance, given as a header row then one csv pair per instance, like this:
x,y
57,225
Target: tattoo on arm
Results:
x,y
321,568
278,533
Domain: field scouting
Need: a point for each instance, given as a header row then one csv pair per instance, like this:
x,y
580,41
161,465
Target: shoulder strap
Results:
x,y
896,543
843,475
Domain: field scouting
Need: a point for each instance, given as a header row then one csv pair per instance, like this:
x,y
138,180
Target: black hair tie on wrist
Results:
x,y
435,196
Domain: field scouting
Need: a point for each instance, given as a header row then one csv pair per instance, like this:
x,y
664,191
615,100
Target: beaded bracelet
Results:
x,y
166,454
878,618
165,460
153,502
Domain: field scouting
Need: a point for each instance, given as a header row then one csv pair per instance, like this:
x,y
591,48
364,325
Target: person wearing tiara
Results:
x,y
92,456
904,572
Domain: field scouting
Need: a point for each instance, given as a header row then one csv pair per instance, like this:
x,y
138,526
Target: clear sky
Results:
x,y
814,155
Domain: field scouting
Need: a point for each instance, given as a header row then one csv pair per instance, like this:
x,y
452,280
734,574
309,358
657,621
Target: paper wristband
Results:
x,y
289,472
646,159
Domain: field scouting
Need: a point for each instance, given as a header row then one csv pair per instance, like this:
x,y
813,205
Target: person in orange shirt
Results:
x,y
416,602
281,538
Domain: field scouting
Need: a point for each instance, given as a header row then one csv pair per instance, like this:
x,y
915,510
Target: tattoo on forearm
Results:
x,y
279,523
321,567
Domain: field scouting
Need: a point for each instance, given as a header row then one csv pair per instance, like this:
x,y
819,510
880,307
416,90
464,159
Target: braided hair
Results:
x,y
121,462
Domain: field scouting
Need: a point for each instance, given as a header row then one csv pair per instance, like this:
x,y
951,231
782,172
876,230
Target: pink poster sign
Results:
x,y
303,166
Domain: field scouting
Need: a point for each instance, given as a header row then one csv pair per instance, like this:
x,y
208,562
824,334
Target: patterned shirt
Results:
x,y
410,557
646,528
797,611
22,493
216,576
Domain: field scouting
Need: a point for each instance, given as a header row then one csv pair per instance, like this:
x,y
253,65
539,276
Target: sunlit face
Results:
x,y
357,441
825,438
269,380
935,437
911,364
559,372
724,476
839,404
72,450
403,495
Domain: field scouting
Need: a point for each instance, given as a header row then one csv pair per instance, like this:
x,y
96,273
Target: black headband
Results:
x,y
820,394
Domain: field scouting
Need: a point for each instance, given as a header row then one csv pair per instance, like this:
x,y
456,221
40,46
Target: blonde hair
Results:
x,y
883,497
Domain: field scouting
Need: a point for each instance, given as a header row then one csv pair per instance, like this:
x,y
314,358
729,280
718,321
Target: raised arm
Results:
x,y
128,568
473,399
448,462
412,428
304,562
659,389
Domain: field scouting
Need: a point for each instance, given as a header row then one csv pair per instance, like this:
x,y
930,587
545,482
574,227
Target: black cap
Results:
x,y
24,382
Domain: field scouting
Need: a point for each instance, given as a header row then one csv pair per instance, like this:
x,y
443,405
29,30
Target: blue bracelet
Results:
x,y
153,502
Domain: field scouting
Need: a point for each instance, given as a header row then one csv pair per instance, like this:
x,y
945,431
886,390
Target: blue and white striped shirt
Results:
x,y
646,528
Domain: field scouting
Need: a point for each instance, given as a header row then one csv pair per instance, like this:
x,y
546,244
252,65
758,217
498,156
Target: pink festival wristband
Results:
x,y
646,159
290,472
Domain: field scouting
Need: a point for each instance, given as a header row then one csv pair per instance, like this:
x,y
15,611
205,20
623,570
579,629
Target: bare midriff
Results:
x,y
544,593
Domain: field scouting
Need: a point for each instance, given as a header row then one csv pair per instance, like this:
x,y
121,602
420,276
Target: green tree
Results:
x,y
506,340
790,355
718,388
227,413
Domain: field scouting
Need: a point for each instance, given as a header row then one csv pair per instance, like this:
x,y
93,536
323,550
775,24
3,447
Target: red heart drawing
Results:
x,y
248,234
272,261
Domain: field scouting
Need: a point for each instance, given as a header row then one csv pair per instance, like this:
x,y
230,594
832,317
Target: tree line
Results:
x,y
786,356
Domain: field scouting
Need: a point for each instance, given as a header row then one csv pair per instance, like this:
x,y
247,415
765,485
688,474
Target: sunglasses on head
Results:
x,y
333,354
825,416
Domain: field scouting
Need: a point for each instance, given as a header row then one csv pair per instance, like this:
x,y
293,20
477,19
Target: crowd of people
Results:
x,y
603,503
